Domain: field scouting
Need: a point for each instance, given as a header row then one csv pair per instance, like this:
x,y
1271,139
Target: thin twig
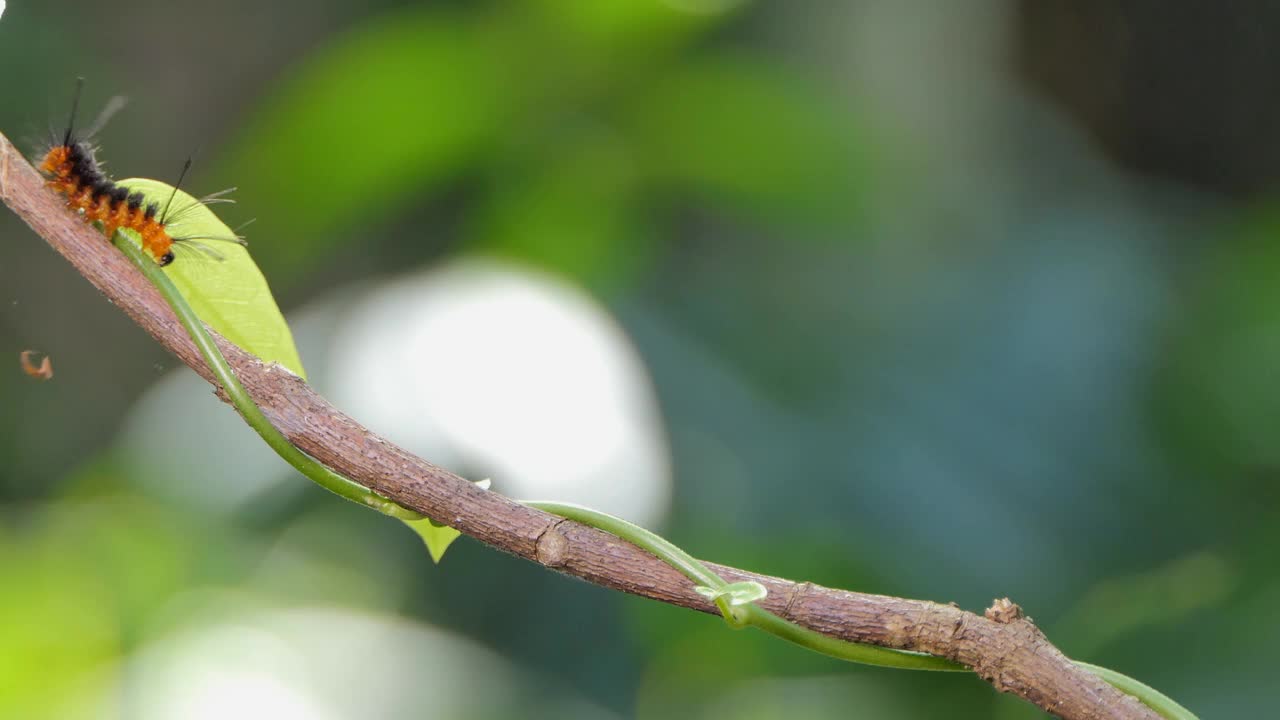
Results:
x,y
1009,652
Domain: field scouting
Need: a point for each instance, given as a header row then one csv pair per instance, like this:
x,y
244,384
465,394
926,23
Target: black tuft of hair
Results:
x,y
71,121
136,200
84,166
102,187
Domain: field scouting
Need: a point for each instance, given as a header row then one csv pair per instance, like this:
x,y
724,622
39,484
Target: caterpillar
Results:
x,y
72,169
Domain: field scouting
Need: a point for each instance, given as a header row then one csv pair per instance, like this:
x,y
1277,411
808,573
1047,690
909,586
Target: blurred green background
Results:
x,y
942,300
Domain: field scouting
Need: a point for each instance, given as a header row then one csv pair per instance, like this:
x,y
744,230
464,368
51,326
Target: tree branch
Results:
x,y
1003,648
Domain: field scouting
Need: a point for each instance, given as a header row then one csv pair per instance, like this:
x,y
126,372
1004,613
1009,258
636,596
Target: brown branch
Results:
x,y
1005,649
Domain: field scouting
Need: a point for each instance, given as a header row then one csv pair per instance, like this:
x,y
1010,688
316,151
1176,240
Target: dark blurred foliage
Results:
x,y
1177,90
950,301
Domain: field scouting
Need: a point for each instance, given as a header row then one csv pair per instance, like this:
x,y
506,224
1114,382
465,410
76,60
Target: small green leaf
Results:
x,y
228,292
436,536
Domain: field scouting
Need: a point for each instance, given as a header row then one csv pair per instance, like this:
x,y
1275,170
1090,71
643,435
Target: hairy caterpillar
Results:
x,y
73,170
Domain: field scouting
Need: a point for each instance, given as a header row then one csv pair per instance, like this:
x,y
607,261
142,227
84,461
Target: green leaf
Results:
x,y
1166,594
58,624
438,537
605,31
229,294
1221,396
366,125
752,135
568,204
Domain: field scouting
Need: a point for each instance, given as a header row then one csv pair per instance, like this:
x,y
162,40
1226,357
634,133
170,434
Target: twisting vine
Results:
x,y
736,601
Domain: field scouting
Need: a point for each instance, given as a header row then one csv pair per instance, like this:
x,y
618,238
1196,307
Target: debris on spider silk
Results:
x,y
43,371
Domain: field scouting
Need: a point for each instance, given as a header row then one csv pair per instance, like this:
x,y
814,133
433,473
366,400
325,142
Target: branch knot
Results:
x,y
552,548
1004,611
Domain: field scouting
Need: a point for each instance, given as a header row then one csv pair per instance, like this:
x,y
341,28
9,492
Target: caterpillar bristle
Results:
x,y
75,105
71,167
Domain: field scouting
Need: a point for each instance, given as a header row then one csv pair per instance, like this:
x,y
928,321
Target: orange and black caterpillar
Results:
x,y
72,170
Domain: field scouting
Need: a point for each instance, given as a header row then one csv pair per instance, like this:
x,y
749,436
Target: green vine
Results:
x,y
305,464
746,614
734,600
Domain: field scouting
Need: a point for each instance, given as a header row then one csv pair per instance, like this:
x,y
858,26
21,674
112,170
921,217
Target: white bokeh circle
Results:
x,y
300,663
496,370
